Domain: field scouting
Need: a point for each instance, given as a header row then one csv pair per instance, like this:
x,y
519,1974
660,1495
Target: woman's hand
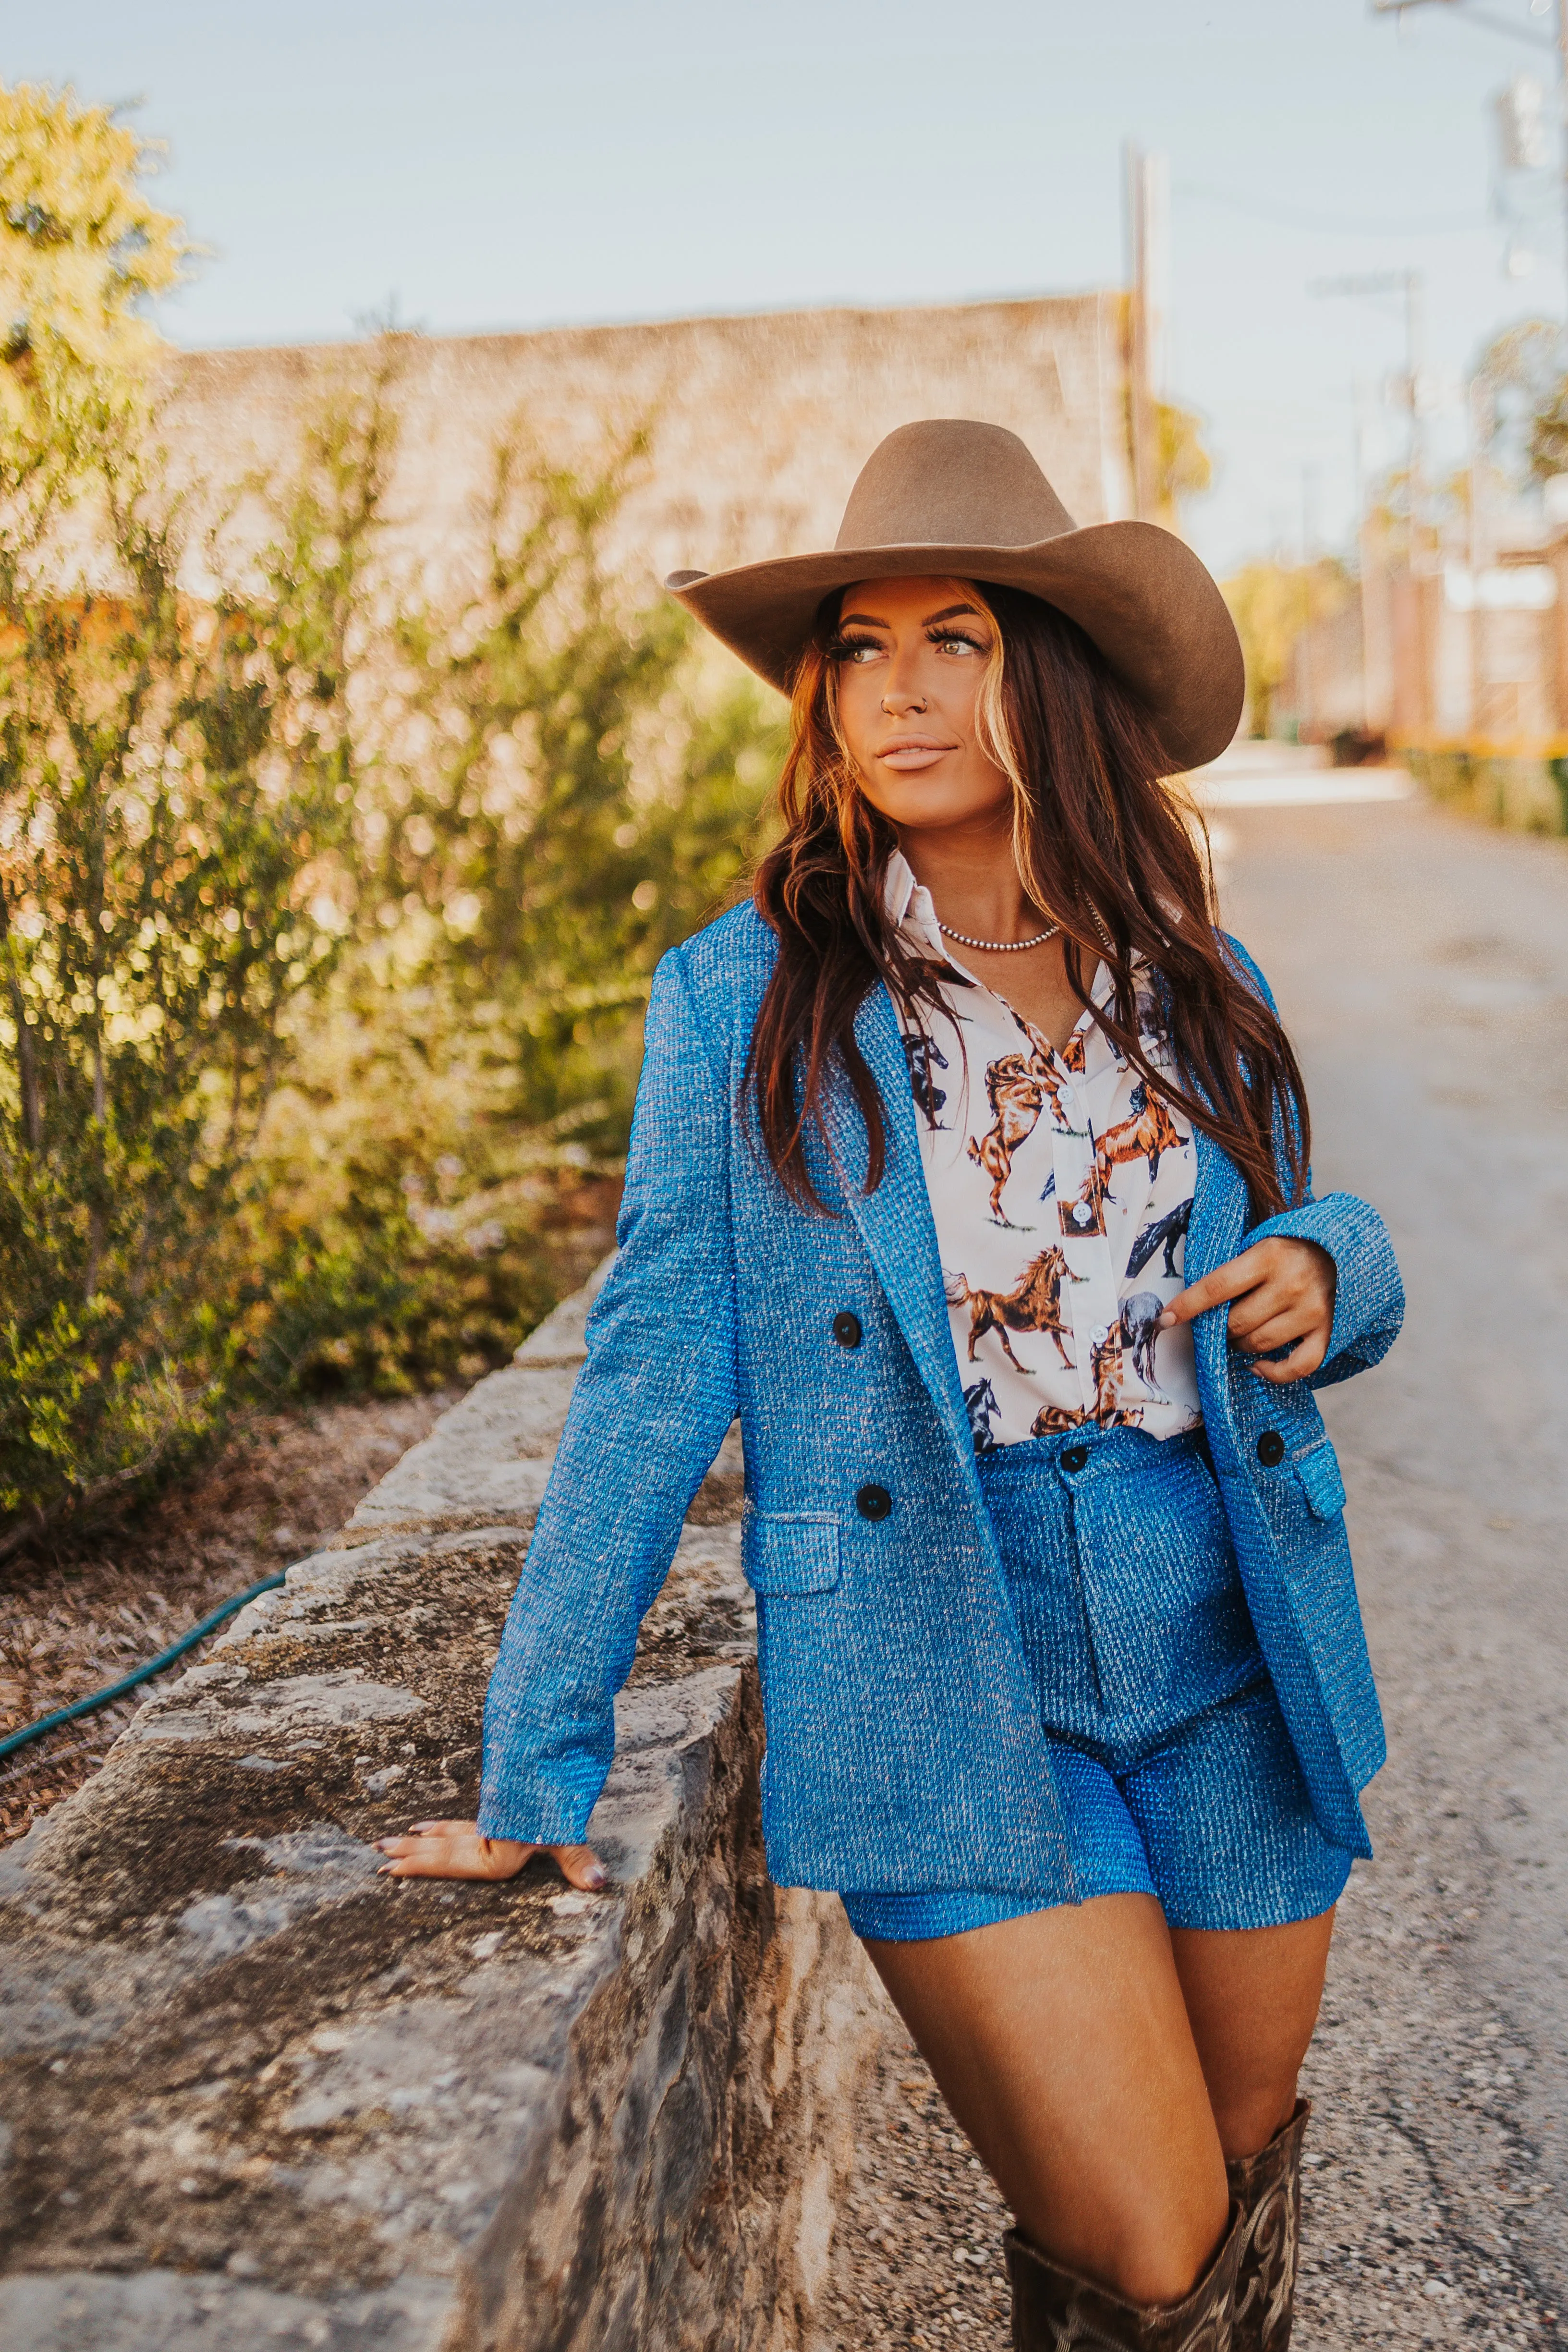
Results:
x,y
1282,1295
456,1850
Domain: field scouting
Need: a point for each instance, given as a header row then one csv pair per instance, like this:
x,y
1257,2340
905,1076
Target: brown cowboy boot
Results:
x,y
1054,2310
1267,2187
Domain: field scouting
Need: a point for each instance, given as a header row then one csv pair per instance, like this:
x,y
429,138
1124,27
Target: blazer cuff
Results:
x,y
1369,1296
531,1814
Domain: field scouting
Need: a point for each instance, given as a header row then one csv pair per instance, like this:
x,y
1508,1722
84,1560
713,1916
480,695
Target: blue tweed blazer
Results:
x,y
904,1749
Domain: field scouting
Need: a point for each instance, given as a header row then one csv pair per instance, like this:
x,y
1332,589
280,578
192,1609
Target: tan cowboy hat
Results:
x,y
954,499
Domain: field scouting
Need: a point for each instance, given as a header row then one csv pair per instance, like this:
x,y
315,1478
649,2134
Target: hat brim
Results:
x,y
1140,593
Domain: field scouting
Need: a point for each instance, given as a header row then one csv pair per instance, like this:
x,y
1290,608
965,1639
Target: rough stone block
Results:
x,y
254,2092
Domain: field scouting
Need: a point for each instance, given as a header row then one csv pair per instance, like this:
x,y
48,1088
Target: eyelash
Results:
x,y
843,648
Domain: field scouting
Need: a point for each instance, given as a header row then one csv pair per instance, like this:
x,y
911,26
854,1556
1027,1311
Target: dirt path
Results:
x,y
1422,965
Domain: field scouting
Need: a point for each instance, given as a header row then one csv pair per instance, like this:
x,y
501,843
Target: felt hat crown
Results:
x,y
951,498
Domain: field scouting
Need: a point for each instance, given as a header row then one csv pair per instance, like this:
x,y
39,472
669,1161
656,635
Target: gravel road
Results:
x,y
1422,966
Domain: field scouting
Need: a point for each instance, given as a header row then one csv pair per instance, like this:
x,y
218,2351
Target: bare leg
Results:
x,y
1252,2000
1062,2044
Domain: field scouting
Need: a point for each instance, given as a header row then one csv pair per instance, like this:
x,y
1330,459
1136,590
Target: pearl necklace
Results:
x,y
997,947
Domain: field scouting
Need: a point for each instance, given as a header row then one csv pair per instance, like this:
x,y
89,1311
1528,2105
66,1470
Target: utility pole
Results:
x,y
1563,102
1409,284
1148,240
1542,40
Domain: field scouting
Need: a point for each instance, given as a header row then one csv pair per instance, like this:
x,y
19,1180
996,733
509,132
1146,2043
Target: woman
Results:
x,y
969,1169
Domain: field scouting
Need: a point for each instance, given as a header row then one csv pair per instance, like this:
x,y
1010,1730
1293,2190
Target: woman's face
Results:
x,y
909,657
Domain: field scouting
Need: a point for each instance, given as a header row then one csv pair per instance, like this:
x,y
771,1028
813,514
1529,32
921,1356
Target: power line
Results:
x,y
1448,227
1480,16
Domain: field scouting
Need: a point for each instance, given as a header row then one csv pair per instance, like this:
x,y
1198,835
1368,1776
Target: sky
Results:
x,y
499,164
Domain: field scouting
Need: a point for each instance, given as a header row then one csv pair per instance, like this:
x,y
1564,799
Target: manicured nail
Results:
x,y
596,1875
1165,1323
414,1828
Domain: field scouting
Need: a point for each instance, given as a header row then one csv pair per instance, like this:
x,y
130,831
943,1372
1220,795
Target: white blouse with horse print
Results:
x,y
1061,1191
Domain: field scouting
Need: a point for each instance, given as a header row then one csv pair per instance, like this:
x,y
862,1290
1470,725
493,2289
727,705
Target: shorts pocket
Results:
x,y
1318,1472
790,1551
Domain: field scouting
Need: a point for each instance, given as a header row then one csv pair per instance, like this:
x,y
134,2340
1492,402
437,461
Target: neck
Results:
x,y
972,880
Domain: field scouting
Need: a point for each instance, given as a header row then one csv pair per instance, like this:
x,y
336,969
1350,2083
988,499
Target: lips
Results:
x,y
908,754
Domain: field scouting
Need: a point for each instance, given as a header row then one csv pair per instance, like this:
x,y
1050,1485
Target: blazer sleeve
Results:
x,y
1369,1295
648,1414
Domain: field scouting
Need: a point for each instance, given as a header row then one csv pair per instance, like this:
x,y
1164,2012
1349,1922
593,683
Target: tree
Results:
x,y
82,251
1183,467
1271,604
175,786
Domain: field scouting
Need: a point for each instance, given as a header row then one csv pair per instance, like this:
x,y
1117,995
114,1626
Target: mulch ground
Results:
x,y
72,1622
78,1617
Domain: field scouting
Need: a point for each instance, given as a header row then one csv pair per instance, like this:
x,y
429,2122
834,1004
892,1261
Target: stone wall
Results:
x,y
253,2092
759,423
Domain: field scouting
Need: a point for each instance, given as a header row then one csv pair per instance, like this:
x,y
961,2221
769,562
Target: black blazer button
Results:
x,y
1270,1449
1075,1457
873,1502
847,1329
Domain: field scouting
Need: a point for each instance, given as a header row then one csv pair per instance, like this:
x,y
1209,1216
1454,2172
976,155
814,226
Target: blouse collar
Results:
x,y
911,909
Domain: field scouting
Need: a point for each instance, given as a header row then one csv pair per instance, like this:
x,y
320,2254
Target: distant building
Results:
x,y
759,423
1465,650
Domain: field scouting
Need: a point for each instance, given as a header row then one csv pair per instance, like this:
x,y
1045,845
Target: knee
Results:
x,y
1166,2234
1247,2118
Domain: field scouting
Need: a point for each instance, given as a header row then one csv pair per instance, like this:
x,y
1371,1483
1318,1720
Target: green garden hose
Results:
x,y
143,1674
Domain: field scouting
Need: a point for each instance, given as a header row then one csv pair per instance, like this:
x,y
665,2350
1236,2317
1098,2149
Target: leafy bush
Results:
x,y
327,914
561,796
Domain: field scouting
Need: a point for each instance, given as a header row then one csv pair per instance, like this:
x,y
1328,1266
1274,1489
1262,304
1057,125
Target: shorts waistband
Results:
x,y
1091,1451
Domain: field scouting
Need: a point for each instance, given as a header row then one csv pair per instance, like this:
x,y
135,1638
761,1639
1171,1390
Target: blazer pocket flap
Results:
x,y
790,1551
1318,1472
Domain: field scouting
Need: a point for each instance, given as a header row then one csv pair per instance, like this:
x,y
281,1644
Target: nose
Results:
x,y
901,692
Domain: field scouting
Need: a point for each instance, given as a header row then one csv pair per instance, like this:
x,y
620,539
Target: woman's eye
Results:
x,y
856,649
956,646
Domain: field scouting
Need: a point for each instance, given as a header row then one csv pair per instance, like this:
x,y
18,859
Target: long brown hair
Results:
x,y
1102,845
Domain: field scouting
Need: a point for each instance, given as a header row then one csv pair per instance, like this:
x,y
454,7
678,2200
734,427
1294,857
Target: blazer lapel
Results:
x,y
894,1221
1215,1233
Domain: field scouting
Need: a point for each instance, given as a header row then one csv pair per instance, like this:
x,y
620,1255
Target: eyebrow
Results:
x,y
949,612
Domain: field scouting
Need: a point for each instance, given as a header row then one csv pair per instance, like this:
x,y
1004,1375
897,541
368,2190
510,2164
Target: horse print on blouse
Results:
x,y
1087,1213
980,1404
920,1051
1054,1420
1164,1234
1148,1135
1109,1411
1140,1329
1105,1366
1017,1087
1034,1306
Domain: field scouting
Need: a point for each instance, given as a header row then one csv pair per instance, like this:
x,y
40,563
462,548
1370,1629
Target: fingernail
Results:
x,y
1165,1323
596,1875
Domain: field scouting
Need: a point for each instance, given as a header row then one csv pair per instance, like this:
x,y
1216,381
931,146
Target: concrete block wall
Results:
x,y
252,2092
759,425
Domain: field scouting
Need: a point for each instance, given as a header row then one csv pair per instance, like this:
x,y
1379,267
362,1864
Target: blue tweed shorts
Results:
x,y
1171,1758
